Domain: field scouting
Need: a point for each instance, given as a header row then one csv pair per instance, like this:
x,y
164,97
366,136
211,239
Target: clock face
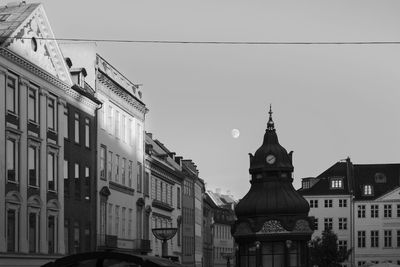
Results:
x,y
270,159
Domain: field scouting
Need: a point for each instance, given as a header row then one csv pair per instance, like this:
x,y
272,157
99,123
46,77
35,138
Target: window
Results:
x,y
374,211
109,165
380,177
130,132
342,203
33,114
12,230
87,132
103,162
77,128
398,210
387,238
361,263
130,173
116,168
387,211
110,119
52,234
314,203
367,190
12,94
117,220
123,222
66,124
76,171
77,239
342,223
328,203
361,239
51,114
374,239
178,197
66,176
12,160
123,166
117,124
110,218
361,211
123,131
336,183
328,223
33,232
33,165
342,245
130,223
398,238
139,177
52,171
315,223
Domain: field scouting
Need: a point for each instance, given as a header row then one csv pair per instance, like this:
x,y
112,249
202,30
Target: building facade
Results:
x,y
37,89
163,174
360,203
192,215
120,146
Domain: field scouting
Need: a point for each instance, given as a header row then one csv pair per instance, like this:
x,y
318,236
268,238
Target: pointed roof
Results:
x,y
25,31
270,146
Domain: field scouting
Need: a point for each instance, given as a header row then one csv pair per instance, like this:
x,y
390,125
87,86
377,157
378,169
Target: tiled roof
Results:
x,y
382,177
14,15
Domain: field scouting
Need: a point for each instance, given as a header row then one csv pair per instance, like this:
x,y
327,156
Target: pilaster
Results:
x,y
43,170
60,116
3,80
23,180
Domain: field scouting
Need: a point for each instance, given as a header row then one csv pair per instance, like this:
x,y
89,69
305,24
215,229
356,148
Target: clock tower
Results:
x,y
272,227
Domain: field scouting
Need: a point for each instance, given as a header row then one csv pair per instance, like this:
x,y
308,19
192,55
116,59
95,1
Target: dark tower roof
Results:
x,y
272,193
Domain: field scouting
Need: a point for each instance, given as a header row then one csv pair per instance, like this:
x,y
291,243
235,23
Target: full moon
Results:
x,y
235,133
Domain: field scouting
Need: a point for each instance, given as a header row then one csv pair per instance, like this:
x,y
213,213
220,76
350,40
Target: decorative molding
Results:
x,y
43,92
140,202
161,205
34,69
23,81
62,101
272,226
105,191
156,214
302,226
84,100
121,188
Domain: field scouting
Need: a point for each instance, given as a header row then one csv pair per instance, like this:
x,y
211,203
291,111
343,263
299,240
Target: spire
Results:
x,y
270,125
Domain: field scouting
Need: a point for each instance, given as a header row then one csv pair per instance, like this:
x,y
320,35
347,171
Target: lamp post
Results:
x,y
227,256
164,234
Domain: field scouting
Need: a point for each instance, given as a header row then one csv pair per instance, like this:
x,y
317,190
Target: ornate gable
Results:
x,y
26,41
393,195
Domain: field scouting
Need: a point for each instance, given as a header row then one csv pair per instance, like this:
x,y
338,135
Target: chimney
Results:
x,y
291,157
148,148
150,135
172,155
350,175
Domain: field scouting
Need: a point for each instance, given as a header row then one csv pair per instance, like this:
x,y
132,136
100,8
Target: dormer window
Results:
x,y
380,178
306,184
336,183
78,76
368,190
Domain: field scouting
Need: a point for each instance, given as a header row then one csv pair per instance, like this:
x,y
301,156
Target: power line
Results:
x,y
216,42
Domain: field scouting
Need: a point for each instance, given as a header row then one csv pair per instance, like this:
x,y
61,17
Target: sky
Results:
x,y
330,102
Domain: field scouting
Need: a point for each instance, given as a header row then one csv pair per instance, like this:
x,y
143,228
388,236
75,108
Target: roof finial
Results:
x,y
270,125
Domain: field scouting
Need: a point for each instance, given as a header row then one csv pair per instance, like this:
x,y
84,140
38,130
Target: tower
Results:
x,y
272,227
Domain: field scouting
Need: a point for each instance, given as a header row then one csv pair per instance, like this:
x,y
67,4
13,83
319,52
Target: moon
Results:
x,y
235,133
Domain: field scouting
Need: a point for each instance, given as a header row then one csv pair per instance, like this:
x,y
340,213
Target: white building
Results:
x,y
36,86
120,149
361,204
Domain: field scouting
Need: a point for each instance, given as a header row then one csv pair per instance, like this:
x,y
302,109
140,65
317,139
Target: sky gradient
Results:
x,y
329,101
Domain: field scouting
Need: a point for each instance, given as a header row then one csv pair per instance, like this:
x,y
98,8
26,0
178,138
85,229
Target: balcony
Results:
x,y
107,241
141,245
161,205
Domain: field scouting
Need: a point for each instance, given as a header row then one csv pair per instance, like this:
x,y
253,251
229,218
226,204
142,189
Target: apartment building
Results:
x,y
163,174
38,90
361,204
120,146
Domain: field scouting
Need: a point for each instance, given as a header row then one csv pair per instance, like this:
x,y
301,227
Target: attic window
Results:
x,y
368,190
336,183
34,44
380,178
4,17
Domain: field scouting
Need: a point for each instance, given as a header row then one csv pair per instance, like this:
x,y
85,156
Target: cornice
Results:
x,y
162,172
23,81
33,68
121,92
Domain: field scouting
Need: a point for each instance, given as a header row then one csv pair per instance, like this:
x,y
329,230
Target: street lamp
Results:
x,y
227,256
164,234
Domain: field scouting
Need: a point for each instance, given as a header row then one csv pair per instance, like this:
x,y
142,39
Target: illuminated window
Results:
x,y
367,190
336,183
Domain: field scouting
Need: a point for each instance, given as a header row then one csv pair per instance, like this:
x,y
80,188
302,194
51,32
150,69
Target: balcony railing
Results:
x,y
142,245
108,241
